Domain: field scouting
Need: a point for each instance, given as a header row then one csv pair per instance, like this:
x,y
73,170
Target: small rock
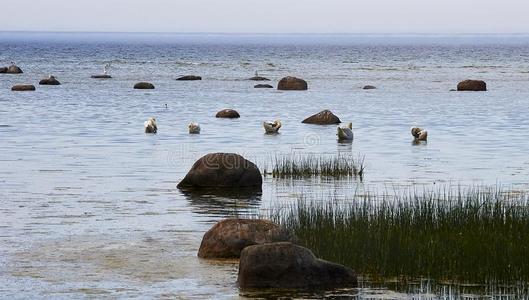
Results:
x,y
102,76
144,86
263,86
189,77
228,113
13,69
286,266
472,85
369,87
259,78
222,170
50,81
292,84
227,238
325,117
23,87
3,70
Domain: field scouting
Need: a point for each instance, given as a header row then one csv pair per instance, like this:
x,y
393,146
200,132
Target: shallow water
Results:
x,y
89,205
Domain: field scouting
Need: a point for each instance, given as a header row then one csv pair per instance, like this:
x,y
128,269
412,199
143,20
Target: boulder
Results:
x,y
189,77
369,87
288,266
325,117
102,76
222,170
263,86
23,87
144,86
3,70
472,85
228,113
292,84
259,78
50,81
227,238
13,69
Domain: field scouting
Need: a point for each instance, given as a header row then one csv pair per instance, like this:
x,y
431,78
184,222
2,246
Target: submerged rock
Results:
x,y
292,84
13,69
285,265
259,78
229,237
263,86
144,86
228,113
102,76
222,170
189,77
23,87
50,81
325,117
369,87
472,85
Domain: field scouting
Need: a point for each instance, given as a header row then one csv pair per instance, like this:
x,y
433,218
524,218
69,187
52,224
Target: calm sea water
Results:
x,y
89,205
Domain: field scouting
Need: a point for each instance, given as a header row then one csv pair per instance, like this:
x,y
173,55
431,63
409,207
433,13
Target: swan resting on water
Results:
x,y
419,134
150,126
345,133
272,127
194,128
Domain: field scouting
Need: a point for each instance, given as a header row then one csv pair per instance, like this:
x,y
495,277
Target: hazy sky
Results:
x,y
268,16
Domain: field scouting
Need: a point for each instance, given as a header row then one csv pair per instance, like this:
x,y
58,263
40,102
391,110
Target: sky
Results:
x,y
267,16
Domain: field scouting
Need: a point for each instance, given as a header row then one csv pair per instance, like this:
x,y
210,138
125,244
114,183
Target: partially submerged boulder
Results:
x,y
144,86
472,85
50,81
285,265
189,78
369,87
263,86
228,113
13,69
101,76
292,84
222,170
229,237
259,78
23,88
325,117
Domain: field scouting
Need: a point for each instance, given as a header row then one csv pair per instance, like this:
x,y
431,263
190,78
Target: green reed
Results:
x,y
310,165
463,235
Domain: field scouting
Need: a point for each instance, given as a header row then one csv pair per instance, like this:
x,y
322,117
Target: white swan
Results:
x,y
345,133
419,134
194,128
150,126
272,127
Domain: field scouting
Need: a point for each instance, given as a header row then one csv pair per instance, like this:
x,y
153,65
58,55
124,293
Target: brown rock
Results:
x,y
3,70
472,85
50,81
263,86
144,86
189,77
222,170
13,69
228,113
292,84
285,265
227,238
23,87
325,117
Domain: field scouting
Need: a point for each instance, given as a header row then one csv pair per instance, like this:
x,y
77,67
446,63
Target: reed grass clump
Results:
x,y
311,165
463,235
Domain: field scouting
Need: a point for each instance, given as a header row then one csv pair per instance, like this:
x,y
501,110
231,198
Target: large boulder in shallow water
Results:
x,y
222,170
325,117
285,265
228,113
12,69
472,85
189,77
50,81
227,238
292,84
144,86
23,87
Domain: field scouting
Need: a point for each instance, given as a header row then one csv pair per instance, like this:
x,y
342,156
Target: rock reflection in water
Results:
x,y
224,203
